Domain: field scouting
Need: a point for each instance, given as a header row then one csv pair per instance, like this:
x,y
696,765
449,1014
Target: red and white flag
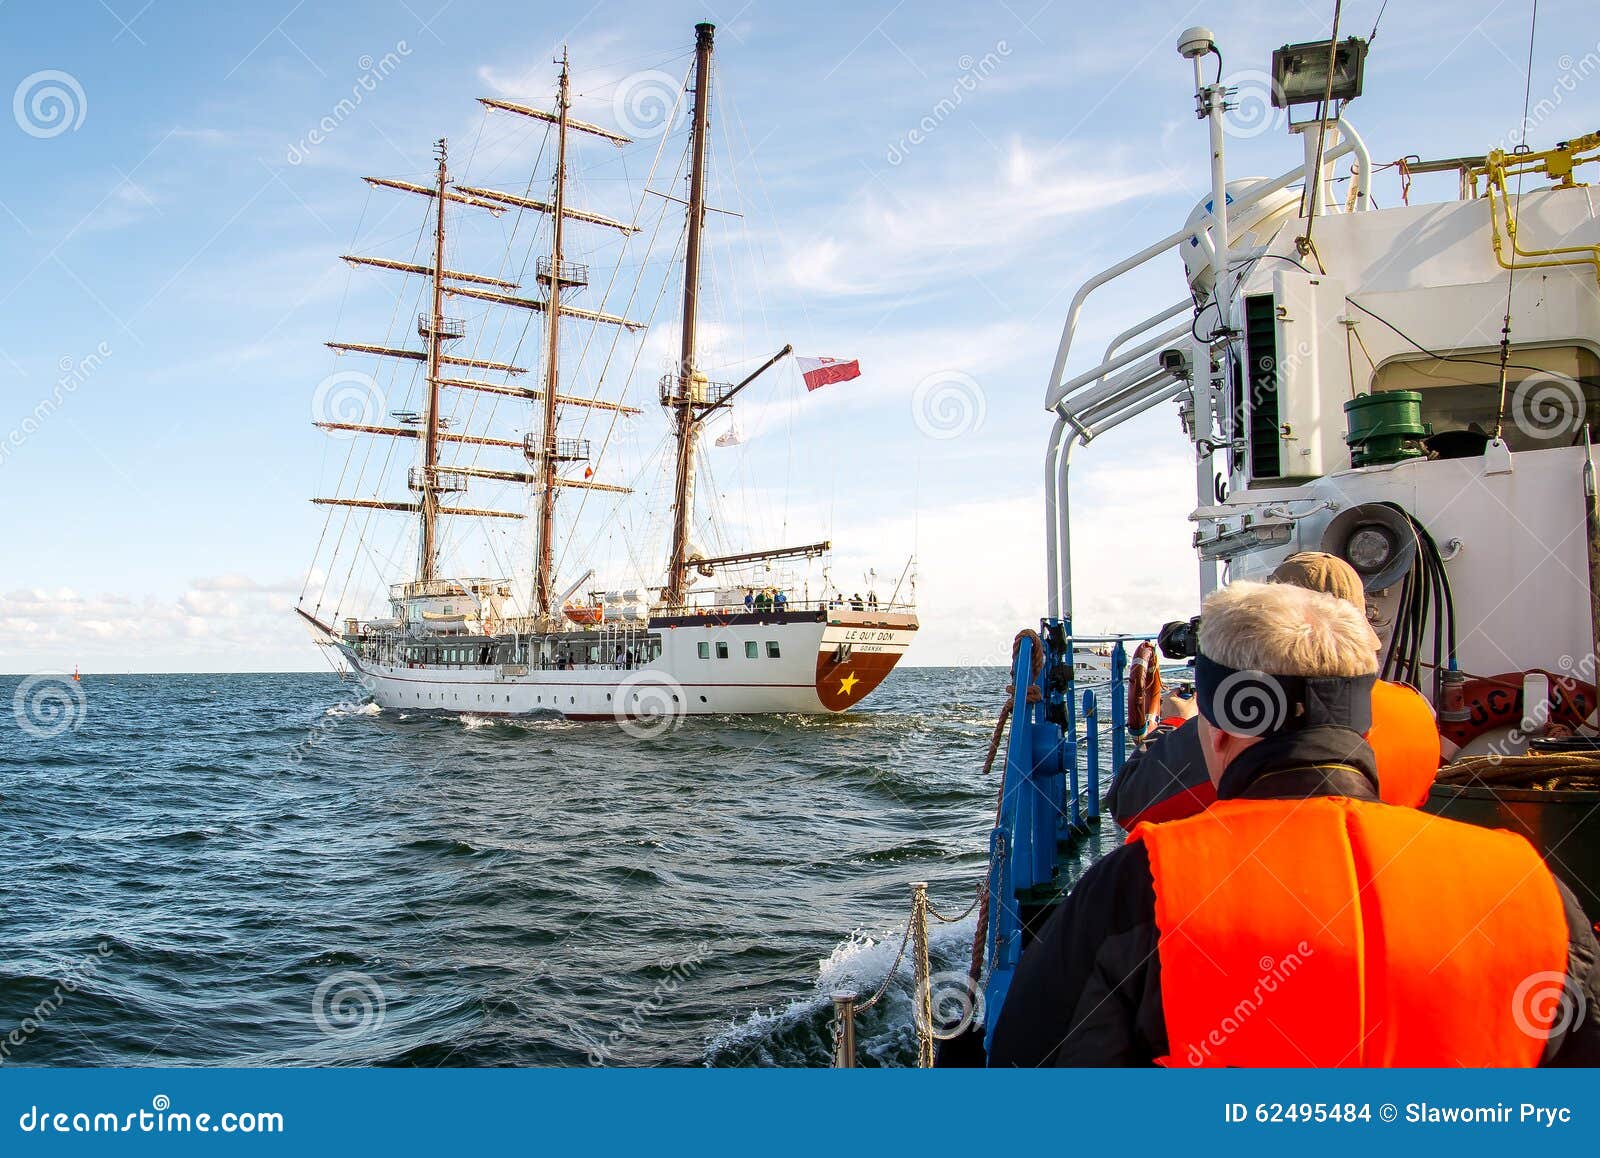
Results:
x,y
820,372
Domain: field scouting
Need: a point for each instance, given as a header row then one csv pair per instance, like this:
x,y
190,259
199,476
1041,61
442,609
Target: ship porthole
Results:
x,y
702,699
674,699
608,697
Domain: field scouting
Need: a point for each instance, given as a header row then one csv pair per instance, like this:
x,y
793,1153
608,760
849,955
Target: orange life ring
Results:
x,y
1496,702
1144,690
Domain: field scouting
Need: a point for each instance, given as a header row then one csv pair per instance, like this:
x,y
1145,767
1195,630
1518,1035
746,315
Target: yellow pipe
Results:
x,y
1558,163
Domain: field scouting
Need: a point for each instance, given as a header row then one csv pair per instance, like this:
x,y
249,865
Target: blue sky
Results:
x,y
172,234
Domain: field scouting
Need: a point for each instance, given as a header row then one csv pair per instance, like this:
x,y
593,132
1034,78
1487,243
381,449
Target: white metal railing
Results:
x,y
1088,405
1056,391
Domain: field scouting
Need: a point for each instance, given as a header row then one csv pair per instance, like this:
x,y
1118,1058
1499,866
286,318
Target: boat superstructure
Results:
x,y
1415,389
720,632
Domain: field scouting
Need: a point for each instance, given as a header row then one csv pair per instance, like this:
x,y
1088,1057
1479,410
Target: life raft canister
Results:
x,y
1336,932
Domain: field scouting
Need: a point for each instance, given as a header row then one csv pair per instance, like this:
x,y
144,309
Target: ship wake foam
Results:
x,y
801,1032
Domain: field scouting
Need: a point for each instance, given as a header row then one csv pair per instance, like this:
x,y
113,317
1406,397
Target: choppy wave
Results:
x,y
355,709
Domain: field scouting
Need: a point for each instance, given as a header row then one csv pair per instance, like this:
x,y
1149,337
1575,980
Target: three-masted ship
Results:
x,y
684,646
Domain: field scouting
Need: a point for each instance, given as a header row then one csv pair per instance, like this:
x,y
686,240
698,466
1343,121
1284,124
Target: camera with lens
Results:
x,y
1180,639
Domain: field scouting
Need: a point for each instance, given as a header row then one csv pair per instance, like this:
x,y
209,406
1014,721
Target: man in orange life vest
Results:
x,y
1300,921
1167,779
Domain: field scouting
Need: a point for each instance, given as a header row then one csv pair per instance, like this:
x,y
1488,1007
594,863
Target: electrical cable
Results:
x,y
1511,266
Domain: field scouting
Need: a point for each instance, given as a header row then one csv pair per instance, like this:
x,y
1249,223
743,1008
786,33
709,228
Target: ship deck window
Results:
x,y
752,650
705,651
1551,392
772,649
722,651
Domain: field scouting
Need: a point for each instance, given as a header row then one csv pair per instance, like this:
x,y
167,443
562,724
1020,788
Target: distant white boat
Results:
x,y
1092,662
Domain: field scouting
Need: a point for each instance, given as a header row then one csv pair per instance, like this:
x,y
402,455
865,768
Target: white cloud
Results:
x,y
968,219
219,623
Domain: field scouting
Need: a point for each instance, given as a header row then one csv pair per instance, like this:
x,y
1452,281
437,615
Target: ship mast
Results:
x,y
694,398
542,450
545,567
427,546
685,424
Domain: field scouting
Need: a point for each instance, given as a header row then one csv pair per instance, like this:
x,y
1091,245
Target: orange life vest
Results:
x,y
1336,932
1405,738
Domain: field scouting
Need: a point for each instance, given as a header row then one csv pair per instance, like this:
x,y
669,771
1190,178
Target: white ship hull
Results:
x,y
732,664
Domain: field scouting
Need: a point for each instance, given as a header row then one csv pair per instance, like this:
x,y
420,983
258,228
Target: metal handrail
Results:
x,y
1086,421
1350,143
1050,793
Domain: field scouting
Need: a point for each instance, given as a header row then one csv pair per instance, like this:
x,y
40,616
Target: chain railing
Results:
x,y
847,1003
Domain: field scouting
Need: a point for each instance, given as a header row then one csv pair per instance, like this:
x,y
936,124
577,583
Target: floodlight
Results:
x,y
1300,72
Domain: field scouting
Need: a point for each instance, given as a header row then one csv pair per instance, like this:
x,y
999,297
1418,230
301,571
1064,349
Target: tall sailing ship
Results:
x,y
716,634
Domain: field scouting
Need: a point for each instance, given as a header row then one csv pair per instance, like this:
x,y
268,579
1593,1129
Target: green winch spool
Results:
x,y
1385,427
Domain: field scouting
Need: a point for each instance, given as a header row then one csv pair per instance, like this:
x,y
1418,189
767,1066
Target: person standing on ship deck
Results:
x,y
1301,921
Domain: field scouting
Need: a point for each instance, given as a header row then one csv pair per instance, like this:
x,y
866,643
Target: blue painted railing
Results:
x,y
1051,794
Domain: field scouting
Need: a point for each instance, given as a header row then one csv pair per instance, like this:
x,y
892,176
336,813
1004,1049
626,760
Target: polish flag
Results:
x,y
820,372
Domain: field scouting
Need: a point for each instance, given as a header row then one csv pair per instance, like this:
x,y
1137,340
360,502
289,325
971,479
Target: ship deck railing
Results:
x,y
789,605
1069,740
1133,376
435,588
523,667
